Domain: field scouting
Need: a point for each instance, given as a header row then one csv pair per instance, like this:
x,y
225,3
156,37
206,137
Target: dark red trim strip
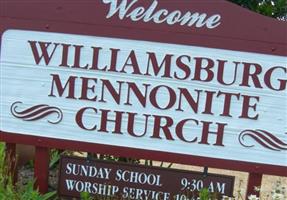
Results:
x,y
144,154
147,35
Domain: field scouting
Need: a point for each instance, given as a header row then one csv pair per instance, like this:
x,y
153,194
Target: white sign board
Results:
x,y
146,95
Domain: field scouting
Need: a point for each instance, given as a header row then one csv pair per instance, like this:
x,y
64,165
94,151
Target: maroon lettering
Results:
x,y
132,63
208,102
227,102
78,49
165,127
117,121
248,75
179,130
171,97
114,58
220,73
79,118
44,51
65,54
131,123
70,84
166,62
189,99
184,67
86,88
141,96
206,131
116,94
95,63
246,105
268,77
200,67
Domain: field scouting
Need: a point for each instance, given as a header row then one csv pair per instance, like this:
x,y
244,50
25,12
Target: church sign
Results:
x,y
156,79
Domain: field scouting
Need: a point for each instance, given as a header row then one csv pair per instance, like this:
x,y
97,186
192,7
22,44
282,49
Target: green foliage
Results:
x,y
204,194
271,8
29,193
55,156
85,196
9,191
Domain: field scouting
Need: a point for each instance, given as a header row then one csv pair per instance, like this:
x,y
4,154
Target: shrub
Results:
x,y
9,191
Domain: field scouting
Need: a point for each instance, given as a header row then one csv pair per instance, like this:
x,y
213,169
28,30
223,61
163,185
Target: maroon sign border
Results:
x,y
240,29
139,166
143,154
255,37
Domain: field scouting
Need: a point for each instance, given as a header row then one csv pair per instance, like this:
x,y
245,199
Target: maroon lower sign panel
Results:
x,y
133,181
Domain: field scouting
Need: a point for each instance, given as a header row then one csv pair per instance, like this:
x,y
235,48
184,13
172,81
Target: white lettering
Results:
x,y
123,9
211,187
136,14
80,186
107,172
221,188
70,184
69,168
213,21
92,171
118,175
173,17
136,193
137,177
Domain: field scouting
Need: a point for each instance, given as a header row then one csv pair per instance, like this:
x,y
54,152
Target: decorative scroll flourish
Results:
x,y
264,138
36,112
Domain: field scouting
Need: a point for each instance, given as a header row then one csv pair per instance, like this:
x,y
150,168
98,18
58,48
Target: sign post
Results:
x,y
198,83
254,180
41,169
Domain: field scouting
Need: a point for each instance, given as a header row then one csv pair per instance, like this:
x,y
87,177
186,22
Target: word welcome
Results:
x,y
127,9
